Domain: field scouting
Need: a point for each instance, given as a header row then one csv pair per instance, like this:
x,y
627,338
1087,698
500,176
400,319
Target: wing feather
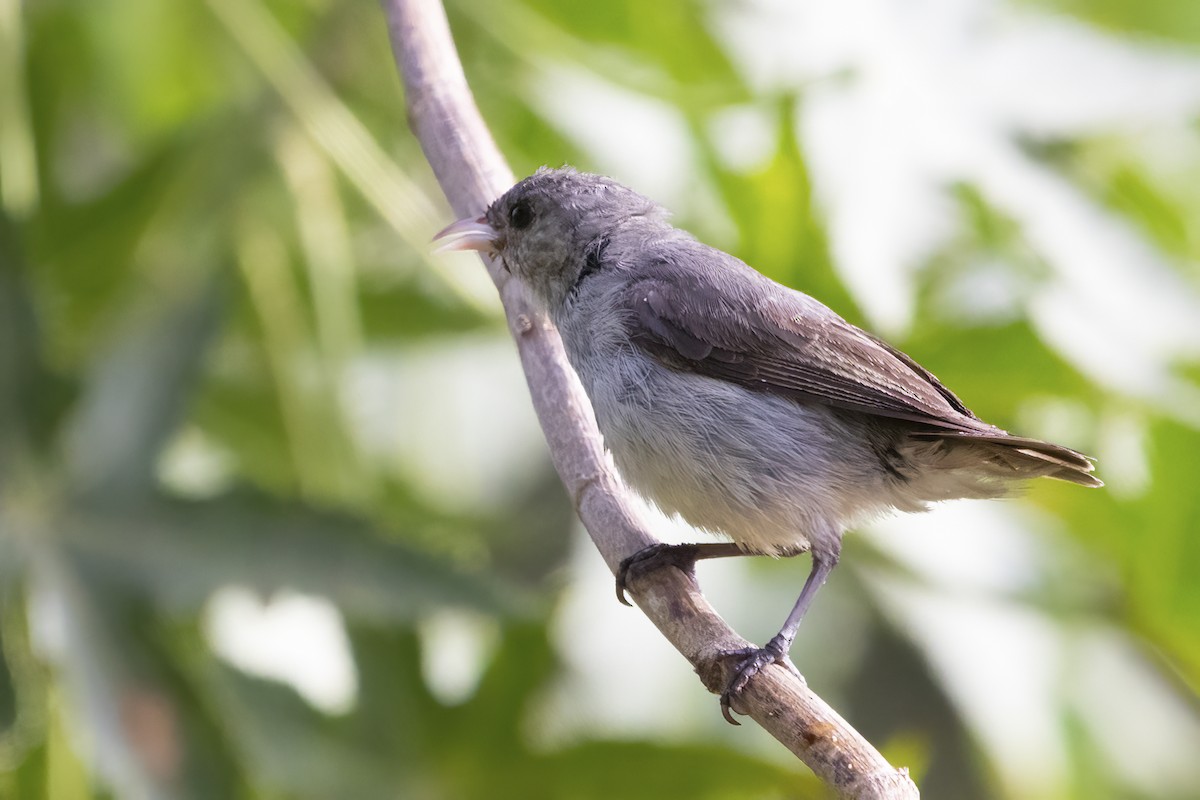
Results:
x,y
736,325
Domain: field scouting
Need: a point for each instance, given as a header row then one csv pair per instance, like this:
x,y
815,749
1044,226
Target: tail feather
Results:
x,y
1026,458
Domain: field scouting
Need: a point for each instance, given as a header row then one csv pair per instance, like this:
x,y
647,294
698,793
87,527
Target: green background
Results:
x,y
228,359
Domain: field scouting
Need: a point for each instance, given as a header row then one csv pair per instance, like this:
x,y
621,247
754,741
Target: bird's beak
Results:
x,y
467,234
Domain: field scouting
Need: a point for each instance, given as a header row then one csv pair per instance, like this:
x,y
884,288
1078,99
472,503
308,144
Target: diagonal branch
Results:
x,y
472,173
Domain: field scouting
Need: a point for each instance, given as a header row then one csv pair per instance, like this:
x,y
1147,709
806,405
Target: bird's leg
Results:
x,y
753,659
680,556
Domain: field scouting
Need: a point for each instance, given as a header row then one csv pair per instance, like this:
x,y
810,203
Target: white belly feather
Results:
x,y
709,450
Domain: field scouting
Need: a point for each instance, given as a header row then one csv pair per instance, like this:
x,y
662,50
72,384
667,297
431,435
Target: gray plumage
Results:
x,y
748,408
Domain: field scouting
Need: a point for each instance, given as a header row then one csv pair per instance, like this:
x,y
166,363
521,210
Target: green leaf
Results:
x,y
134,396
178,553
1169,19
91,268
31,399
288,747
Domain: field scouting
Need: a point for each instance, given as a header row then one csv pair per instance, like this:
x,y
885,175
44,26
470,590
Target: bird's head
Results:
x,y
544,229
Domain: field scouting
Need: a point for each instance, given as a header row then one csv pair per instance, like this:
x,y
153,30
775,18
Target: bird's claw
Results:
x,y
753,659
654,557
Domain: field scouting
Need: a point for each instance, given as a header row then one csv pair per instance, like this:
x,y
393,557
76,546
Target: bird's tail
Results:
x,y
1014,457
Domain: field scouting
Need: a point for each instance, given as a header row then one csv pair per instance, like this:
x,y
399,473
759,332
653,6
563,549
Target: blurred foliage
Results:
x,y
227,359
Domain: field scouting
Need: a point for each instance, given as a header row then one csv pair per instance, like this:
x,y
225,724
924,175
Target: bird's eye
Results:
x,y
520,216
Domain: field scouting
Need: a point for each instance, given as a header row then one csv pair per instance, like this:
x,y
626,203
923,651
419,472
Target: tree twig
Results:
x,y
472,173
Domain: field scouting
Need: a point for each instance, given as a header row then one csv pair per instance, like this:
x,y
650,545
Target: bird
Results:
x,y
747,408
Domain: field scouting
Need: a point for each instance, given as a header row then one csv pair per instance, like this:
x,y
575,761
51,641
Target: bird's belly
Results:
x,y
768,473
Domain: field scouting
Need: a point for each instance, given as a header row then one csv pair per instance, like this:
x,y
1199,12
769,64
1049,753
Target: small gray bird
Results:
x,y
747,408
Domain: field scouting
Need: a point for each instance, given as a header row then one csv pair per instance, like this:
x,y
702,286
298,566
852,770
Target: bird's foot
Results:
x,y
752,660
653,557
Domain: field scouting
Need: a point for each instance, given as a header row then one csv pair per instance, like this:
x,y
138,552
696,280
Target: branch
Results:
x,y
472,174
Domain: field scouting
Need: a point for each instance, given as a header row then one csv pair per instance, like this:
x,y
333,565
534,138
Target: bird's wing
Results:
x,y
736,325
